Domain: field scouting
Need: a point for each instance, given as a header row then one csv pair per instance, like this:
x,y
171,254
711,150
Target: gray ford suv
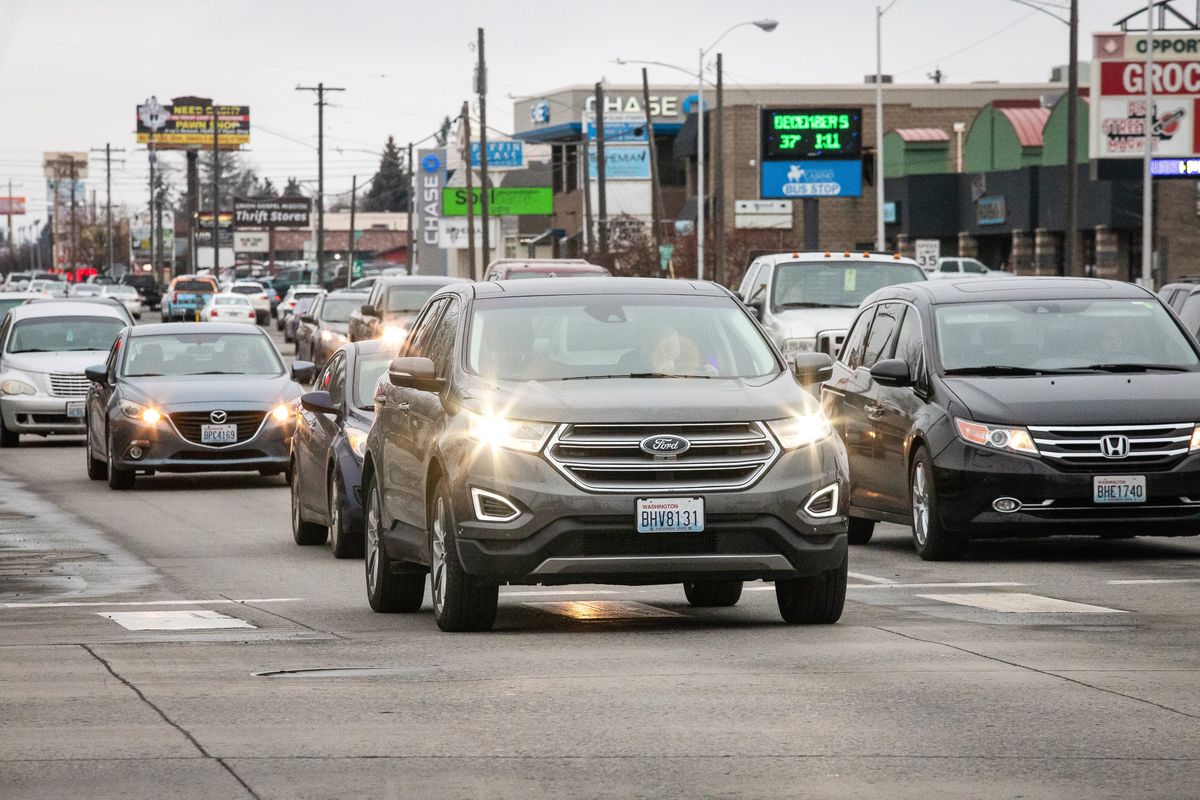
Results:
x,y
623,431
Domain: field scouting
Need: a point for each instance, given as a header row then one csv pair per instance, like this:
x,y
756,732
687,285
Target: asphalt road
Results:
x,y
1063,668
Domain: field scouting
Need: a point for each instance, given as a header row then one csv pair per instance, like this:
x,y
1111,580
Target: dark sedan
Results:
x,y
322,329
178,397
328,446
392,306
1018,407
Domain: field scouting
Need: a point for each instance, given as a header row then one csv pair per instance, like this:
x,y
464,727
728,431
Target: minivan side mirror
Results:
x,y
810,368
368,310
302,371
415,372
97,374
892,372
319,403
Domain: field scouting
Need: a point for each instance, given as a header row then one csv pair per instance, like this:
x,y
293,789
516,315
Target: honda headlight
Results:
x,y
996,437
1194,445
800,430
14,386
497,430
357,439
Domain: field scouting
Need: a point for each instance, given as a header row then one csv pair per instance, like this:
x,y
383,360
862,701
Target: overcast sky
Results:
x,y
73,71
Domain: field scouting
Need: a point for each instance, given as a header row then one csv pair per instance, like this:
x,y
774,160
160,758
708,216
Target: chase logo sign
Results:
x,y
539,112
431,163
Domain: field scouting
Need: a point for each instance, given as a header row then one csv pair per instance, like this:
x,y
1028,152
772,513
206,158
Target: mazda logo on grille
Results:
x,y
665,445
218,417
1116,446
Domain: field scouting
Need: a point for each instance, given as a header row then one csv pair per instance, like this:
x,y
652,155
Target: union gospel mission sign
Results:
x,y
284,212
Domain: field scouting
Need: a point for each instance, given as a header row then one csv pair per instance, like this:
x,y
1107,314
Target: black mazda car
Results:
x,y
180,397
1018,407
328,447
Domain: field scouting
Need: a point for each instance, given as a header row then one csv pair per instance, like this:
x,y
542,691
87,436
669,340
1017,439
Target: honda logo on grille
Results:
x,y
1114,446
218,417
665,445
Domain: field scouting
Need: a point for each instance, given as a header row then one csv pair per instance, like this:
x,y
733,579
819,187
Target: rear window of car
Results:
x,y
194,287
246,288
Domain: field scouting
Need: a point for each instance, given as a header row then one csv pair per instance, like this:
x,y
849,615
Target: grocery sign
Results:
x,y
12,205
190,126
502,201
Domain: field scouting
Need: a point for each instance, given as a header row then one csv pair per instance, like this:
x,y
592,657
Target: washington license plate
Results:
x,y
670,515
75,409
218,434
1119,489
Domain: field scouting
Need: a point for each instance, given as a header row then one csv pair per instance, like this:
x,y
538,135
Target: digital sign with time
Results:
x,y
809,134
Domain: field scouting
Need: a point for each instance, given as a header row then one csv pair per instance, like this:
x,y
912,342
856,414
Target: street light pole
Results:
x,y
879,232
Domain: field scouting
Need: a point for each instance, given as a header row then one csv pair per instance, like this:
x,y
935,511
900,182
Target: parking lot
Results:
x,y
1047,668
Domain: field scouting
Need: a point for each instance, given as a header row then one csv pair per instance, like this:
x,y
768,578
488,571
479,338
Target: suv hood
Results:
x,y
644,400
1096,399
74,361
805,323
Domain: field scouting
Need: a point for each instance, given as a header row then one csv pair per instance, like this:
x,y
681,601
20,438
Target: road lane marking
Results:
x,y
123,603
174,620
604,610
869,578
1141,581
1018,603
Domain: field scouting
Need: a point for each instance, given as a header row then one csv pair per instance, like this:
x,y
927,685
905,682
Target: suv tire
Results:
x,y
97,468
932,540
860,530
305,533
813,600
346,542
713,594
387,591
118,479
461,602
8,438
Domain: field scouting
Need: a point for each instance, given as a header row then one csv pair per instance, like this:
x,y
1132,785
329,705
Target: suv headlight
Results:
x,y
497,430
793,346
357,439
800,430
996,437
14,386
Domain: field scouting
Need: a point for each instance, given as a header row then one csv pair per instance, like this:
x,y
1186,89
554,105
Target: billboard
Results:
x,y
502,201
810,152
504,154
12,205
430,182
190,126
251,242
57,164
624,163
281,212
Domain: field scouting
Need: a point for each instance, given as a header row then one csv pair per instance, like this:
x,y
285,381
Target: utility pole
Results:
x,y
320,89
11,248
719,177
108,224
584,165
466,146
656,212
1069,243
481,90
408,234
153,160
216,192
1147,156
350,247
193,203
74,241
601,186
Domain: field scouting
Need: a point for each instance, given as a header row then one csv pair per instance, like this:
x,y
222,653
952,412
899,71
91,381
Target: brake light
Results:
x,y
213,313
175,297
277,298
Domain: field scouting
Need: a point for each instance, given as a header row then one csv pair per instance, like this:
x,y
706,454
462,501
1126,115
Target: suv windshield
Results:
x,y
610,336
200,354
408,298
1032,336
838,284
339,310
64,334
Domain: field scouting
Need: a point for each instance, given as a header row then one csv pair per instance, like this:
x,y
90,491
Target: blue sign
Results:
x,y
622,163
690,102
991,210
539,112
792,179
1175,167
431,163
500,154
621,131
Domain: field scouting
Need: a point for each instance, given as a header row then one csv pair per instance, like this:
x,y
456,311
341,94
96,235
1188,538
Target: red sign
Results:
x,y
12,205
1167,78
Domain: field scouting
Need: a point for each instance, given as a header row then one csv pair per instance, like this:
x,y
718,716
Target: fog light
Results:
x,y
136,453
491,507
823,502
1006,505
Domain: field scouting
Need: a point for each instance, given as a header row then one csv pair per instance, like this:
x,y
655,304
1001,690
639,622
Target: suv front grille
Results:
x,y
609,458
1081,447
189,423
69,385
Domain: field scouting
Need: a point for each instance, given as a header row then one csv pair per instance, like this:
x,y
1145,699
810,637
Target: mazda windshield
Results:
x,y
553,338
837,283
181,354
1061,336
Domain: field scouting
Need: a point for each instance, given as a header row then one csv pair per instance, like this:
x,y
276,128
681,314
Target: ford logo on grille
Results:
x,y
218,417
665,445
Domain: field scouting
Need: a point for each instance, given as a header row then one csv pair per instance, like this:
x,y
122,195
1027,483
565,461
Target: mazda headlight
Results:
x,y
497,430
281,413
996,437
14,386
800,430
793,346
357,440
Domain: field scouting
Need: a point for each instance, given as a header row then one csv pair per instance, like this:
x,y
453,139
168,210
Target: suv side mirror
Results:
x,y
319,403
308,319
810,368
302,371
415,372
97,374
892,372
368,310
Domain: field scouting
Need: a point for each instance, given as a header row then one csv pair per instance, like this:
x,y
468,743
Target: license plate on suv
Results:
x,y
1119,489
218,434
76,409
670,514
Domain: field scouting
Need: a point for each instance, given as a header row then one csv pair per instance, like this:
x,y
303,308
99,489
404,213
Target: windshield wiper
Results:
x,y
817,305
632,375
1136,367
1005,369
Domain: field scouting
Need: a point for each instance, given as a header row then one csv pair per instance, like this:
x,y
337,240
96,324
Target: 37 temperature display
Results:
x,y
793,134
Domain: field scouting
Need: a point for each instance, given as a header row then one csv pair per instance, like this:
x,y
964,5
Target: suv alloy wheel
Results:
x,y
460,602
387,591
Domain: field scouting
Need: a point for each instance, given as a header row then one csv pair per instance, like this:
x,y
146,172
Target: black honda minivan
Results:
x,y
1018,407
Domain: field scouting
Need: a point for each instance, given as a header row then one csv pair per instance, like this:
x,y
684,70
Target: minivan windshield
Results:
x,y
64,334
182,354
1060,336
840,283
571,337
